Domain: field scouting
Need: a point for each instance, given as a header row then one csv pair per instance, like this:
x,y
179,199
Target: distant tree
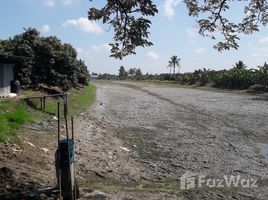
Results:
x,y
122,73
173,63
170,69
138,74
262,76
131,72
204,76
240,65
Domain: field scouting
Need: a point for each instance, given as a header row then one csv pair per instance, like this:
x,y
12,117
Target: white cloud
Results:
x,y
84,25
101,47
263,40
49,3
68,2
106,46
168,8
84,54
96,48
191,33
45,29
255,54
152,55
200,50
260,52
79,50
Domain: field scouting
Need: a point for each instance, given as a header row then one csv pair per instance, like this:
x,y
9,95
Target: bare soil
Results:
x,y
138,139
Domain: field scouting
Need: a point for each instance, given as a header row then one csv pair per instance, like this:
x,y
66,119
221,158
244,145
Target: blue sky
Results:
x,y
172,33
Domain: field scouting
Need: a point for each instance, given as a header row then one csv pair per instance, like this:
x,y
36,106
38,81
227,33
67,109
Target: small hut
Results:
x,y
7,63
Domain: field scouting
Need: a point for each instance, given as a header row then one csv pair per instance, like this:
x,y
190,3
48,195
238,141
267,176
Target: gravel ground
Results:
x,y
139,139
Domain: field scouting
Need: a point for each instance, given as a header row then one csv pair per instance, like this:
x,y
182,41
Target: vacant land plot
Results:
x,y
139,139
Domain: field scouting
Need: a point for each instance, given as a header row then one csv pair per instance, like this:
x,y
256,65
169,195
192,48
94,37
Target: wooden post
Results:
x,y
72,120
67,156
44,103
41,103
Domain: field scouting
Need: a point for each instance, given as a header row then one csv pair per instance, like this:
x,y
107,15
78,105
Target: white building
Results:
x,y
94,76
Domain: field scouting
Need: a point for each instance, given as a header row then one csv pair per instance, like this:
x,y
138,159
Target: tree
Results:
x,y
262,76
24,45
46,60
131,72
138,74
173,63
240,65
122,73
170,68
130,21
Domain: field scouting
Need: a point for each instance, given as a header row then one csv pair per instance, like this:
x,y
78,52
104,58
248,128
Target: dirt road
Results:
x,y
138,139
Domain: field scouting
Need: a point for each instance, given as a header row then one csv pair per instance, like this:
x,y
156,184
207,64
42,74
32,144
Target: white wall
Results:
x,y
6,76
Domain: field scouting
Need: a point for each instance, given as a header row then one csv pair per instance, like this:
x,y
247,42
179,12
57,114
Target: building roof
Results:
x,y
11,59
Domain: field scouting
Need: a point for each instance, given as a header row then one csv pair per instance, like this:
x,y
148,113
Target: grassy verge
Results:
x,y
79,100
13,114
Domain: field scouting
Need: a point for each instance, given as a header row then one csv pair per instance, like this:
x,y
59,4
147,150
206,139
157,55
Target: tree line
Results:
x,y
132,74
45,60
238,77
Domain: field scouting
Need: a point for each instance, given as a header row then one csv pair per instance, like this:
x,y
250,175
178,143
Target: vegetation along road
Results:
x,y
138,139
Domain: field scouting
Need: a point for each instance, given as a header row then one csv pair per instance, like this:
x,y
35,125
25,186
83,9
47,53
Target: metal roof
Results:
x,y
11,59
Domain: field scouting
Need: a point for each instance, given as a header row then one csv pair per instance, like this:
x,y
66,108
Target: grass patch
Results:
x,y
109,186
79,100
12,116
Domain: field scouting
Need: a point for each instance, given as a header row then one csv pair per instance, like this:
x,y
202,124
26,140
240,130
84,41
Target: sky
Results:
x,y
172,31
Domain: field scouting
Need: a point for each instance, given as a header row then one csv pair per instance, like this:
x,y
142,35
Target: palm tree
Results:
x,y
240,65
173,63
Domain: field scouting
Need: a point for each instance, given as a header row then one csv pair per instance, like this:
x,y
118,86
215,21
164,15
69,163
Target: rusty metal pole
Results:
x,y
58,152
75,184
70,177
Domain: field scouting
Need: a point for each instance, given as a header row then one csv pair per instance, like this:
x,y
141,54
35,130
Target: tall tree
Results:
x,y
131,21
173,63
